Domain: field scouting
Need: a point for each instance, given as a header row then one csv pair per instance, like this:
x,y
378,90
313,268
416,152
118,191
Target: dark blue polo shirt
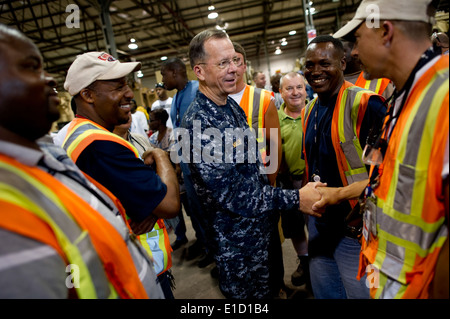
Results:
x,y
135,184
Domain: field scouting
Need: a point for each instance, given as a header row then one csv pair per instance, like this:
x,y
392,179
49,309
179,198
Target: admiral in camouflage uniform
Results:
x,y
240,206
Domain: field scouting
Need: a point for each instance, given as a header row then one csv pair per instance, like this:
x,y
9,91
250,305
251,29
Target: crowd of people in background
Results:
x,y
347,158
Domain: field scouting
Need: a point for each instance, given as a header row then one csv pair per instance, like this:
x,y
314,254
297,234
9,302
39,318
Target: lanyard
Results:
x,y
385,133
318,129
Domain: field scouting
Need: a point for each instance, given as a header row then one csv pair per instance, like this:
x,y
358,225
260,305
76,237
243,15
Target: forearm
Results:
x,y
170,205
351,191
336,195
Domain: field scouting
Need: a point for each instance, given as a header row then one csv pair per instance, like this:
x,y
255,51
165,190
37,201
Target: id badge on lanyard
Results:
x,y
369,207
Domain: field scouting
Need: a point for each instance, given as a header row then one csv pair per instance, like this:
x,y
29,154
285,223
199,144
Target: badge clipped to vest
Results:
x,y
369,207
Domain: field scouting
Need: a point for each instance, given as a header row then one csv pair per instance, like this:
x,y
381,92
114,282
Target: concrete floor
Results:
x,y
193,282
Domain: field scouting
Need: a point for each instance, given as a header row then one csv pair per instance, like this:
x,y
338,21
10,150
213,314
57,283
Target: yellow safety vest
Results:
x,y
157,245
406,231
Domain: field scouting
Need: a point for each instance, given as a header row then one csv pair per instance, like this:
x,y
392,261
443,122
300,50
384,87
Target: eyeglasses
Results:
x,y
225,64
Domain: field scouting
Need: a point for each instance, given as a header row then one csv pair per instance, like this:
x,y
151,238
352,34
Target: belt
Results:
x,y
353,232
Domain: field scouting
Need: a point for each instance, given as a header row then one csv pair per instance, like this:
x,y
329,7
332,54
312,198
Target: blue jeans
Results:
x,y
333,276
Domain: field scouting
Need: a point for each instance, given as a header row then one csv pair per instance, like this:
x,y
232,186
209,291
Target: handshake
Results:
x,y
311,199
316,196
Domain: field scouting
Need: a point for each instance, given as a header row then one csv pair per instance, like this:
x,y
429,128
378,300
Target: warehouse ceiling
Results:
x,y
63,29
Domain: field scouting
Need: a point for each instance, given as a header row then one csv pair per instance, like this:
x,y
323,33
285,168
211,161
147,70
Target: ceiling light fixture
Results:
x,y
278,51
163,58
292,32
132,45
140,74
213,15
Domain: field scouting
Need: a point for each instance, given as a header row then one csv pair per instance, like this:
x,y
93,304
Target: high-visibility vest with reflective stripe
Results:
x,y
410,210
255,102
348,114
80,134
36,205
378,86
157,244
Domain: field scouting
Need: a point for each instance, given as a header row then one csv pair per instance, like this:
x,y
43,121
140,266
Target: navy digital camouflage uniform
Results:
x,y
239,205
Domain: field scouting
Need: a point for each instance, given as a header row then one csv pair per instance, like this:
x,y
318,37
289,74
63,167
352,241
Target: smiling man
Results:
x,y
237,200
293,92
335,129
55,226
98,83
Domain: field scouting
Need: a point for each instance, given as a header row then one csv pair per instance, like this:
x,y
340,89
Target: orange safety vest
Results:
x,y
377,85
80,134
255,102
33,216
407,229
348,114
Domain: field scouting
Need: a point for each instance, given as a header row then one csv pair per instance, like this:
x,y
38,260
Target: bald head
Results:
x,y
440,40
28,104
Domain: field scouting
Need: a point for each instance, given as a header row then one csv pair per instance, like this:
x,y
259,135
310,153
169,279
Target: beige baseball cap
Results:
x,y
404,10
92,66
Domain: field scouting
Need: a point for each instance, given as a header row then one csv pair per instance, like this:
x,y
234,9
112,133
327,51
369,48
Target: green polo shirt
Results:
x,y
291,137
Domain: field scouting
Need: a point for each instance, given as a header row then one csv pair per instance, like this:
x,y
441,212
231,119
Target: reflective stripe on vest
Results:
x,y
53,202
253,102
410,214
377,86
348,113
157,245
80,134
36,199
255,115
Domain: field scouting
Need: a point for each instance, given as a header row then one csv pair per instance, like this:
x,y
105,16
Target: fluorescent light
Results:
x,y
123,15
213,15
292,32
133,46
163,58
